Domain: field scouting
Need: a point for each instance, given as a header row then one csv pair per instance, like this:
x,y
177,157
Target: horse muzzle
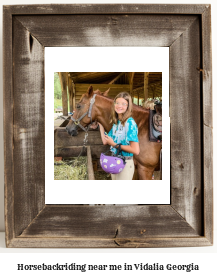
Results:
x,y
72,130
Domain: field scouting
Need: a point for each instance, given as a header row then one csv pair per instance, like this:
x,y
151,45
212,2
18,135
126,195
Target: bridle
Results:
x,y
77,121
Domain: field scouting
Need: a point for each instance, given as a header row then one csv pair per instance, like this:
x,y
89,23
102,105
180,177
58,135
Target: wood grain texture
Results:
x,y
63,76
68,146
67,152
207,118
71,109
33,242
90,165
208,182
104,221
186,126
107,30
28,126
188,221
206,66
8,125
73,151
63,139
106,9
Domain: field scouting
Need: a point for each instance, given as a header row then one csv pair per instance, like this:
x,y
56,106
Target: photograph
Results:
x,y
107,125
83,88
106,116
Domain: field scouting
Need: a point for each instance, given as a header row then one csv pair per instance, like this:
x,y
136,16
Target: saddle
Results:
x,y
155,123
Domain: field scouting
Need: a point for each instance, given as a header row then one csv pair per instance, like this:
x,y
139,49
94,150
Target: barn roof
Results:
x,y
154,80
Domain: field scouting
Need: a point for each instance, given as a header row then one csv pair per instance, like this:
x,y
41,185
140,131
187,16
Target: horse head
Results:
x,y
85,112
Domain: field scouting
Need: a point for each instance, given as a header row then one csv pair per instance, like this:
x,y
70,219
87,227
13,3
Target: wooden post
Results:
x,y
90,165
73,95
70,93
130,77
64,83
146,76
153,91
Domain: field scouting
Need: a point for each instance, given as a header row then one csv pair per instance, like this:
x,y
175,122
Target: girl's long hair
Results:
x,y
127,114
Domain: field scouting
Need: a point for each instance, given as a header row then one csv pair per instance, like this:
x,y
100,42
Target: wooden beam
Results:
x,y
146,76
138,89
90,165
73,97
64,83
152,89
70,93
116,78
130,77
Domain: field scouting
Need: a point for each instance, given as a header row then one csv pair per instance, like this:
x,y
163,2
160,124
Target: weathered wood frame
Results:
x,y
186,30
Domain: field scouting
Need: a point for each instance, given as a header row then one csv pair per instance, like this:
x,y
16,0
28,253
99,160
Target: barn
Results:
x,y
141,85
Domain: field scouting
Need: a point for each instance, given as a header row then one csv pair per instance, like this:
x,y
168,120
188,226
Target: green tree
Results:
x,y
57,87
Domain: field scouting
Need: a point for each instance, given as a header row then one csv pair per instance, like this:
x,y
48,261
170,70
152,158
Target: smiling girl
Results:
x,y
124,132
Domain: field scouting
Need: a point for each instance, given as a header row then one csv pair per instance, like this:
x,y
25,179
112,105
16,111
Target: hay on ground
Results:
x,y
72,169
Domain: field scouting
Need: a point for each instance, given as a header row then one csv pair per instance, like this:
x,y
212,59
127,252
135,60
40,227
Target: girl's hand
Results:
x,y
94,125
109,141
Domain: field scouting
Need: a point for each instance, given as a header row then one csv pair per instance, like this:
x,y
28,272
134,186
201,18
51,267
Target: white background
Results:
x,y
205,256
106,59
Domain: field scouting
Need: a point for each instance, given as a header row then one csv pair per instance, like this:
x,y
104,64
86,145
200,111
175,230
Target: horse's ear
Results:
x,y
90,91
97,92
106,92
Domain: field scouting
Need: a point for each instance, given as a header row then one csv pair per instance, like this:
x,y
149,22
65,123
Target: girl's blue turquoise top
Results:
x,y
124,134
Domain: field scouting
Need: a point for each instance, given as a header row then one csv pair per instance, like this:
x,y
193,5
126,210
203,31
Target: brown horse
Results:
x,y
100,110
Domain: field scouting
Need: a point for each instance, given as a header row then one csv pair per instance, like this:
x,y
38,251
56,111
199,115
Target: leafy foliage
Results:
x,y
57,87
57,103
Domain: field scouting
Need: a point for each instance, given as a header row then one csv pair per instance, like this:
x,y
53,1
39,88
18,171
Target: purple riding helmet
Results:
x,y
112,164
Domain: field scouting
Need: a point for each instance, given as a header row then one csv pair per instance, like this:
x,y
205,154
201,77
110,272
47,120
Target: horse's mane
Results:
x,y
106,98
138,108
99,93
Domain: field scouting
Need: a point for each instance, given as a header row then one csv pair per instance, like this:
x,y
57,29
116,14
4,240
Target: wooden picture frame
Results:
x,y
186,30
